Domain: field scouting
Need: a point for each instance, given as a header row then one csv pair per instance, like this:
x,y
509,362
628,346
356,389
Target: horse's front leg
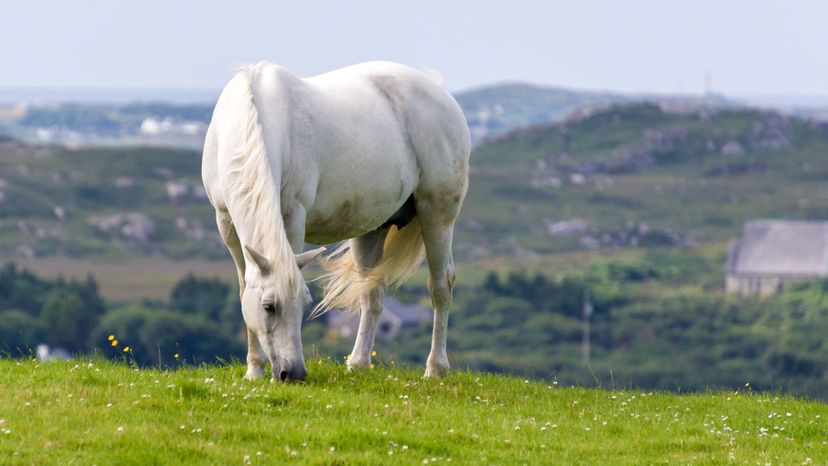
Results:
x,y
255,357
294,221
231,239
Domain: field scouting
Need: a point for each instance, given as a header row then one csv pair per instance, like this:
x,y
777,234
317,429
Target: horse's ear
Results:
x,y
307,257
259,259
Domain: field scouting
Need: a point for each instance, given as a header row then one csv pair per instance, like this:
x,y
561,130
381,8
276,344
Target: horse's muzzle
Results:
x,y
285,373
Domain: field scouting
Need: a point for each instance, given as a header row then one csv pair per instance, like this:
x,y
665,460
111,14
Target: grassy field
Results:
x,y
96,412
133,279
153,278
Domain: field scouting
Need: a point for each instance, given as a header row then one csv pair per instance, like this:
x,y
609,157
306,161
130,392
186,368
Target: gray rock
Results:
x,y
568,227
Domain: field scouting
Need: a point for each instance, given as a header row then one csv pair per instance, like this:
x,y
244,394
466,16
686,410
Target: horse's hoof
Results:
x,y
354,363
435,372
436,369
254,374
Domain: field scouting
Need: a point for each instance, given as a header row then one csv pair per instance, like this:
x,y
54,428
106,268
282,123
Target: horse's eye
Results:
x,y
270,308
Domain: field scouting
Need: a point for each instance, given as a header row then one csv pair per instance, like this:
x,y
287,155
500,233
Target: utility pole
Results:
x,y
587,311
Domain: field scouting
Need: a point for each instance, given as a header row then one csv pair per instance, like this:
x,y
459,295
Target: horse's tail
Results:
x,y
344,282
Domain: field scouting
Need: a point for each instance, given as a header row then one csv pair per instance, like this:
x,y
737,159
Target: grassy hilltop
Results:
x,y
96,412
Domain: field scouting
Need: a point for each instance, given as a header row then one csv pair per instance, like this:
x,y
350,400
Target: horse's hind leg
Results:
x,y
440,284
367,251
255,355
437,221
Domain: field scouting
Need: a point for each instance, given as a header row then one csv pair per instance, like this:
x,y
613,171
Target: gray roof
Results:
x,y
780,247
407,314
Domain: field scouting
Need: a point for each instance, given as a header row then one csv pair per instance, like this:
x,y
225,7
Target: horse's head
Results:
x,y
276,320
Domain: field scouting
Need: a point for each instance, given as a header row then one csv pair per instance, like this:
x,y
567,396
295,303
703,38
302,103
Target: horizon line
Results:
x,y
9,94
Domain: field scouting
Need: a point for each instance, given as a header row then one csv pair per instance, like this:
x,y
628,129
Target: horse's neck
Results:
x,y
268,223
256,186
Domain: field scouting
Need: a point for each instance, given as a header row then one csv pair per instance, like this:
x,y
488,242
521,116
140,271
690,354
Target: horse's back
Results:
x,y
432,123
353,144
391,130
418,102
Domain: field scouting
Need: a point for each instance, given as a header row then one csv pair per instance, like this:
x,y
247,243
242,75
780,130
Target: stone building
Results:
x,y
395,316
771,253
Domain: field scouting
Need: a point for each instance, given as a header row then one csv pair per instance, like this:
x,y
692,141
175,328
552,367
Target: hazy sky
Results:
x,y
747,47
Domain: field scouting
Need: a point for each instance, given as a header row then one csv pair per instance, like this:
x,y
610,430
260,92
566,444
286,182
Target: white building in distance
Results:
x,y
771,253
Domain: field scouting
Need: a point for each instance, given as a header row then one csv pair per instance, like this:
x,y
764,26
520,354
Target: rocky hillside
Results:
x,y
103,202
628,176
641,175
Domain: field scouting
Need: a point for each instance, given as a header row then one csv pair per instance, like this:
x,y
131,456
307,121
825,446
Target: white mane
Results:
x,y
253,191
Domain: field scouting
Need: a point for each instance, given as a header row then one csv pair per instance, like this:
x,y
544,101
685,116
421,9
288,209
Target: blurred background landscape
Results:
x,y
593,247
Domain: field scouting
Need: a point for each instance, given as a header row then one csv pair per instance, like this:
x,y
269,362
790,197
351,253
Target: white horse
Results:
x,y
376,153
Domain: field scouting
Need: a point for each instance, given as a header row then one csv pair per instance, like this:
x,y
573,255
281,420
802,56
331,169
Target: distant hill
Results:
x,y
106,124
627,176
500,108
490,111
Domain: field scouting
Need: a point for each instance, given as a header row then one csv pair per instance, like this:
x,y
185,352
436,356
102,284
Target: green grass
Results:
x,y
82,412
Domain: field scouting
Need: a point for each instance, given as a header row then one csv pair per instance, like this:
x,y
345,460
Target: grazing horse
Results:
x,y
375,153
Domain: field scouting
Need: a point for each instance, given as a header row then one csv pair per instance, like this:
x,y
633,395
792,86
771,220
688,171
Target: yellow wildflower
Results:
x,y
373,353
176,356
114,342
111,337
126,349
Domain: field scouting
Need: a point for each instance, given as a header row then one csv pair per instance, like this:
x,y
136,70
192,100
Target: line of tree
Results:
x,y
200,322
34,310
685,340
647,329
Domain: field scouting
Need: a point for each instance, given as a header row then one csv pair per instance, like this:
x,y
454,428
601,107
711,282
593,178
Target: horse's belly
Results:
x,y
348,218
352,202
